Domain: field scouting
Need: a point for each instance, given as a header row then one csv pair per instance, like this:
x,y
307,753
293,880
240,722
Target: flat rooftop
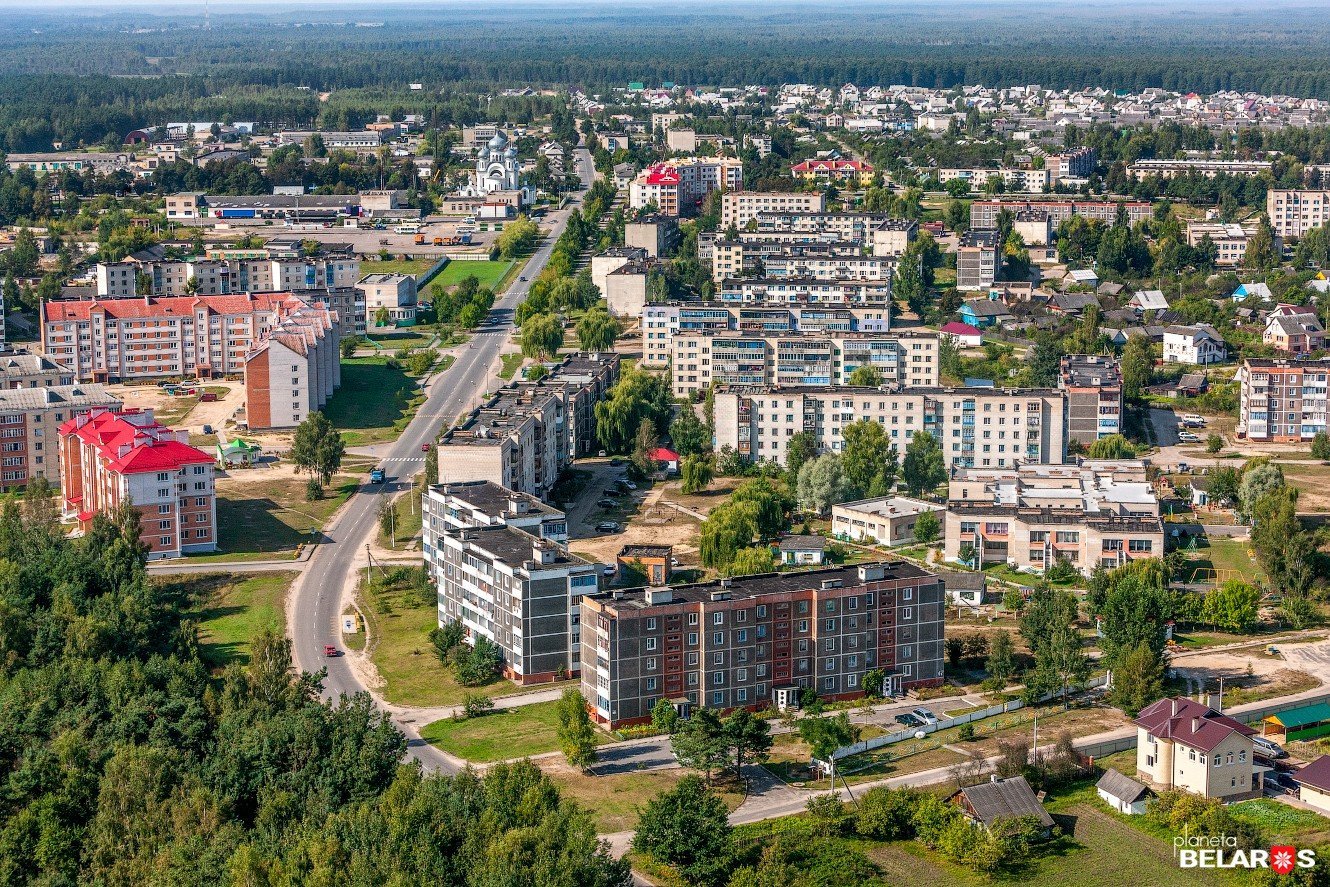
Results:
x,y
890,506
490,498
514,547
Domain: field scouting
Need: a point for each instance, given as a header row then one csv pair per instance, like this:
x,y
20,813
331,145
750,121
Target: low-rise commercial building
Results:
x,y
109,457
985,427
888,520
854,173
1229,239
700,359
1282,401
1029,516
395,294
1093,383
757,641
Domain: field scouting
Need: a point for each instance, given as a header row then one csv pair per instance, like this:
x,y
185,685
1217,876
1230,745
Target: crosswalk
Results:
x,y
404,459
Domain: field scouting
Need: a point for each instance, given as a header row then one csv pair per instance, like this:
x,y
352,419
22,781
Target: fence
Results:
x,y
946,723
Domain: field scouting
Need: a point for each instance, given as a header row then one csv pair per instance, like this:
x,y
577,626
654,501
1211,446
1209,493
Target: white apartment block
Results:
x,y
805,291
983,427
738,208
1294,213
220,277
661,322
699,359
1230,240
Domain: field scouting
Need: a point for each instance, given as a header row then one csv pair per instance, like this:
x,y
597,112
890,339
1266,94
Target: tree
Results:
x,y
799,448
886,814
697,471
1224,483
908,285
1321,446
1215,442
927,527
1001,661
1059,663
381,317
925,466
477,664
688,827
868,459
542,336
1112,446
822,484
664,716
577,737
700,743
1013,601
445,639
517,237
751,561
1138,679
688,434
824,736
317,448
867,376
1256,483
644,445
596,331
1137,367
637,395
1233,606
1260,252
746,737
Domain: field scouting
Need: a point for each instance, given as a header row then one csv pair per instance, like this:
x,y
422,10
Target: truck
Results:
x,y
420,238
438,241
376,476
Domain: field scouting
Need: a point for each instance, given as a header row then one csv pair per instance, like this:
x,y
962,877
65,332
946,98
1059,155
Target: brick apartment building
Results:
x,y
1282,401
110,457
755,641
679,186
30,419
293,369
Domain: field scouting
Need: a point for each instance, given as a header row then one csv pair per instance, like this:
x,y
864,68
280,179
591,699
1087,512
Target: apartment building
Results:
x,y
679,186
1074,163
976,261
394,293
1282,401
109,457
985,427
1293,213
782,256
293,369
1182,744
23,369
527,432
453,507
661,322
1030,516
1168,169
1230,241
757,641
613,259
841,225
109,340
225,275
1029,181
30,418
738,208
804,291
699,359
854,173
517,590
656,234
984,213
626,287
1093,383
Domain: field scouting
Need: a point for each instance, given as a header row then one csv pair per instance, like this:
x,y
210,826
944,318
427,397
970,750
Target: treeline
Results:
x,y
125,758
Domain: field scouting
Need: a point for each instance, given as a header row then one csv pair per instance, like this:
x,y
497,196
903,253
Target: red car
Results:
x,y
424,448
330,650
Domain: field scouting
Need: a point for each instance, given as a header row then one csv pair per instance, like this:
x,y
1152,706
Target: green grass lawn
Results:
x,y
511,362
374,397
406,530
414,267
231,610
267,519
390,339
506,733
1227,557
615,799
488,273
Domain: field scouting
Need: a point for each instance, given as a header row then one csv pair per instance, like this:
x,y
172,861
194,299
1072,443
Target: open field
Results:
x,y
505,733
1313,482
374,397
488,273
1228,558
391,339
232,609
414,267
614,799
266,518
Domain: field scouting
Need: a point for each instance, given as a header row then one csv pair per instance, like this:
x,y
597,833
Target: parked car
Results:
x,y
613,491
607,570
1268,749
607,526
616,461
1284,782
924,715
908,720
1191,420
330,650
207,429
606,503
627,485
1188,437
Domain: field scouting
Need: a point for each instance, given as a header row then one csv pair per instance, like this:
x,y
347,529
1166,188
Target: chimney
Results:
x,y
516,505
1173,705
543,552
1195,724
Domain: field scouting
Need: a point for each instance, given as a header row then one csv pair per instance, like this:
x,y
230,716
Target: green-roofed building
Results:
x,y
238,454
1307,722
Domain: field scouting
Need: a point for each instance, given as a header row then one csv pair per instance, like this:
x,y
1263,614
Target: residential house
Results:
x,y
987,803
1182,744
1122,793
1200,344
1293,334
1314,784
1249,290
803,551
1149,300
962,335
984,313
654,562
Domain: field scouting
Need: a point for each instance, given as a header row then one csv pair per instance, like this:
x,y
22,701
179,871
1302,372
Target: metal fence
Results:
x,y
946,723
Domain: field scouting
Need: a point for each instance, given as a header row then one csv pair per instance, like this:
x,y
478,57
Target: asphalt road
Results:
x,y
316,598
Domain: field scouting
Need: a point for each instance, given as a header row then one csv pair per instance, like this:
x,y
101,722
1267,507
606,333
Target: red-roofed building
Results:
x,y
109,457
109,340
1186,745
963,335
679,186
855,172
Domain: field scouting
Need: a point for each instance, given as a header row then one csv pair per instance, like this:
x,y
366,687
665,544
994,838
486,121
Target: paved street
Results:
x,y
324,587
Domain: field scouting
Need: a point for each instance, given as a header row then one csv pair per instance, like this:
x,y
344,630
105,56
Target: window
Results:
x,y
651,643
692,659
163,509
907,613
831,664
741,616
651,624
717,618
651,663
829,684
741,636
1242,757
718,658
718,638
803,625
829,625
829,644
692,639
717,699
692,618
761,611
741,695
741,675
718,678
651,683
166,540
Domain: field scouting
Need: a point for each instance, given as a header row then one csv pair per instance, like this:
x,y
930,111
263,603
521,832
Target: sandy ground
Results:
x,y
1248,666
654,524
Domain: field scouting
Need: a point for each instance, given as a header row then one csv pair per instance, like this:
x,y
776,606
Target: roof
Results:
x,y
986,308
956,328
1190,723
1005,799
171,306
631,551
664,454
1122,787
56,396
803,543
1150,300
132,442
832,166
1316,774
662,174
1302,717
493,499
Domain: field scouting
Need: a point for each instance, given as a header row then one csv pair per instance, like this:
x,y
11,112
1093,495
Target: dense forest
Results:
x,y
125,758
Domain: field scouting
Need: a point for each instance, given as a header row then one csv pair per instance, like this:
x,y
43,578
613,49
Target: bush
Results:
x,y
475,705
886,814
313,490
966,732
829,812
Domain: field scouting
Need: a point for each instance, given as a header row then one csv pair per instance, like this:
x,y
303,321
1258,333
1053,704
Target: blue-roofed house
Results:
x,y
1244,290
982,313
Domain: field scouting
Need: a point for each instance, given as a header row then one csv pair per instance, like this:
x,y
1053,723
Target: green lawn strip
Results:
x,y
232,609
487,273
510,364
372,398
266,519
406,510
504,733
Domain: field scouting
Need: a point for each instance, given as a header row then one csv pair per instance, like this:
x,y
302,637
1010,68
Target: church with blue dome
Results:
x,y
497,169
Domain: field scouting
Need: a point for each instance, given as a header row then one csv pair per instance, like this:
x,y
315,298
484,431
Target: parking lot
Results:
x,y
368,241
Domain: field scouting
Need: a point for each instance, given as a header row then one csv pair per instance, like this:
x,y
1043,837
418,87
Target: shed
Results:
x,y
964,335
666,458
1122,793
238,454
1314,784
965,588
1010,798
803,550
1305,722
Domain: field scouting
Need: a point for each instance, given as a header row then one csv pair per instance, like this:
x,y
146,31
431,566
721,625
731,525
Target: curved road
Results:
x,y
316,602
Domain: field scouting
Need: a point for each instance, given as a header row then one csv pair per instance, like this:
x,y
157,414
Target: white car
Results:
x,y
1188,437
1191,420
924,715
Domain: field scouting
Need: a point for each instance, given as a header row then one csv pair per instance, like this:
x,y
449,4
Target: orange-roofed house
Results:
x,y
853,172
109,457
